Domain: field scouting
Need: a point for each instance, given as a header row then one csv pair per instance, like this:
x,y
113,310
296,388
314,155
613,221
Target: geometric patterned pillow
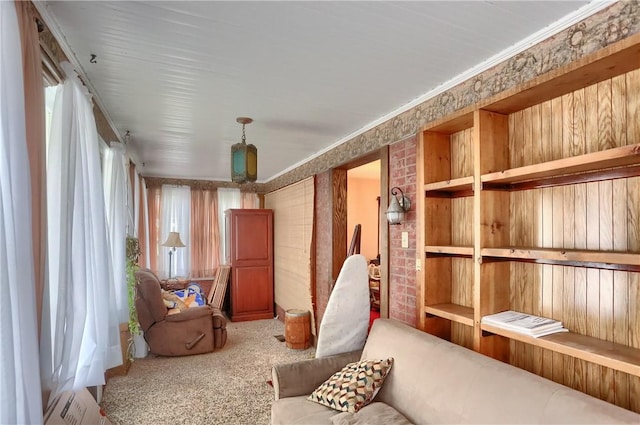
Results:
x,y
354,386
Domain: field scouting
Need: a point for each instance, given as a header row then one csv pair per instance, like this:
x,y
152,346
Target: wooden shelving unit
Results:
x,y
454,312
605,353
531,202
463,251
629,261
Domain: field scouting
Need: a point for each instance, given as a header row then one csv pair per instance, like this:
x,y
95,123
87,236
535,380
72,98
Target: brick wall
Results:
x,y
402,274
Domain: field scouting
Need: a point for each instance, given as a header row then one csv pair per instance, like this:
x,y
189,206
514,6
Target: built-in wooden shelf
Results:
x,y
462,186
629,261
591,167
454,312
455,250
605,353
470,162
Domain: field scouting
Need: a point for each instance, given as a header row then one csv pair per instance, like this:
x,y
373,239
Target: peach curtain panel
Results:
x,y
143,227
205,233
154,198
249,200
36,142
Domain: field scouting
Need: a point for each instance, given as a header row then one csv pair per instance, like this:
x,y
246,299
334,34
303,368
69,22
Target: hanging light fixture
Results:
x,y
244,158
399,205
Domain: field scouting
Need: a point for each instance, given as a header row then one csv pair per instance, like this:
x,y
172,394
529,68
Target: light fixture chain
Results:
x,y
244,139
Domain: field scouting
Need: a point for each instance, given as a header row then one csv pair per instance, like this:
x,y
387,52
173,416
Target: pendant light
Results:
x,y
244,158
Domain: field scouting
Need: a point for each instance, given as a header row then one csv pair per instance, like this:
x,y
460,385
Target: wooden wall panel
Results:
x,y
461,230
600,216
462,154
339,222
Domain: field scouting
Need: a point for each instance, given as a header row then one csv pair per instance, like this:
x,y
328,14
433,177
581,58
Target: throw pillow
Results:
x,y
352,388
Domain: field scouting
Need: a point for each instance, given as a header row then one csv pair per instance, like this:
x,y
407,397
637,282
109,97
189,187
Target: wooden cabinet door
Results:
x,y
251,259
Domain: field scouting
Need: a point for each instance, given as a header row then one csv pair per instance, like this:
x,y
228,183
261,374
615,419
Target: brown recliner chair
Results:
x,y
193,331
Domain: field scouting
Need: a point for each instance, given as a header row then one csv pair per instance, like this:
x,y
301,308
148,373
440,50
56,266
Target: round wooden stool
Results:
x,y
297,329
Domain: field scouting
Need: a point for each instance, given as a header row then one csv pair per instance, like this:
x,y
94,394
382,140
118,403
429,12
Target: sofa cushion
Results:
x,y
299,410
354,386
374,414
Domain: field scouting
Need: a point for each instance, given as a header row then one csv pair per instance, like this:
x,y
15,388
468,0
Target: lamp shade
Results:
x,y
398,206
395,213
244,158
244,163
173,240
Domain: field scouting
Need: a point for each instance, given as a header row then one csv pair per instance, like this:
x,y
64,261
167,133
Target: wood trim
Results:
x,y
339,221
421,158
383,156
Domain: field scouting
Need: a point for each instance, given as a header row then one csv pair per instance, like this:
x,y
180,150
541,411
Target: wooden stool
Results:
x,y
297,329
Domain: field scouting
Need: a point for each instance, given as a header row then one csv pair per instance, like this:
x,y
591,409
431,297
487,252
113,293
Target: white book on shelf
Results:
x,y
527,324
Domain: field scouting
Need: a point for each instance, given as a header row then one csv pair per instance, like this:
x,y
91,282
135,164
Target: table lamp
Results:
x,y
173,241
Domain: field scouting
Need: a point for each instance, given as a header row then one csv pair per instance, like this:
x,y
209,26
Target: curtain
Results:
x,y
80,336
20,400
154,200
143,226
249,200
136,203
35,122
115,182
175,215
227,199
205,236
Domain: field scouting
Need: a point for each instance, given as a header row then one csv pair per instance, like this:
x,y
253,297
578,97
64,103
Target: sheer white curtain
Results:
x,y
175,216
80,337
115,182
20,400
228,198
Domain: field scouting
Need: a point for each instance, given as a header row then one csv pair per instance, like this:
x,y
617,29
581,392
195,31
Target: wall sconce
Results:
x,y
173,241
398,206
244,158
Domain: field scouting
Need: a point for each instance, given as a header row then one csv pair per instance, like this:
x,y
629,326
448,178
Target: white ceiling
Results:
x,y
311,74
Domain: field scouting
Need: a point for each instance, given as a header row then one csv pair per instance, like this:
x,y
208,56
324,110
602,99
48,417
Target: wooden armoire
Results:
x,y
249,252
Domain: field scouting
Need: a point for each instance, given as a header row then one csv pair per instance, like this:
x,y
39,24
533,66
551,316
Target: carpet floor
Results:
x,y
228,386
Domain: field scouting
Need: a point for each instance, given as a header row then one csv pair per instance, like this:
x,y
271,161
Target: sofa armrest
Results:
x,y
301,378
189,314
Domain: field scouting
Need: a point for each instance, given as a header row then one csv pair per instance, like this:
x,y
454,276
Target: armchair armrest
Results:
x,y
301,378
189,314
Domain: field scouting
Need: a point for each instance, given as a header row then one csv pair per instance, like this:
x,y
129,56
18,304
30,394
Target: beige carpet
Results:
x,y
227,386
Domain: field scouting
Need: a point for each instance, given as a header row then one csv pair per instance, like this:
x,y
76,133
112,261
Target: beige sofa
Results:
x,y
435,381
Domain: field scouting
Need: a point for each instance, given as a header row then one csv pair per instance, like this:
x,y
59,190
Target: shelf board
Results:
x,y
462,186
457,250
454,312
590,163
615,356
629,261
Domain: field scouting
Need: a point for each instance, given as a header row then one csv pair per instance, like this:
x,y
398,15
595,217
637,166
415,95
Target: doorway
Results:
x,y
363,209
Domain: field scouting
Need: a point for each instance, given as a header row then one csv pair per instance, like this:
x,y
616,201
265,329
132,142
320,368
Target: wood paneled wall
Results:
x,y
601,215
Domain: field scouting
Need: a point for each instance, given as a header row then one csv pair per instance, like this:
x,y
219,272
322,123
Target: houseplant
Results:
x,y
137,345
